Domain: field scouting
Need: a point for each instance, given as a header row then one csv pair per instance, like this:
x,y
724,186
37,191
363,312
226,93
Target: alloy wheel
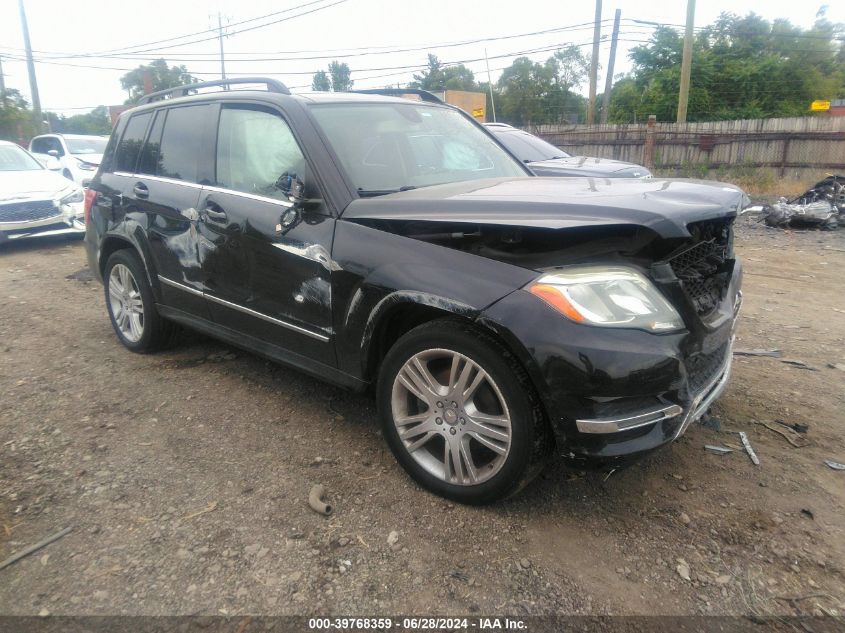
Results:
x,y
127,306
451,417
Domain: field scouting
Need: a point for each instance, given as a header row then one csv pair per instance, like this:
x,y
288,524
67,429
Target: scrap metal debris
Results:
x,y
798,363
719,450
34,548
744,438
834,465
774,353
795,426
821,206
785,431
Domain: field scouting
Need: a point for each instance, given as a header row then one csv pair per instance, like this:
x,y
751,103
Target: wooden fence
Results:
x,y
792,147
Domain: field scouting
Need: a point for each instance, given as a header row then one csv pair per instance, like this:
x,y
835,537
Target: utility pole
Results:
x,y
594,66
686,64
30,66
608,81
220,35
2,84
490,85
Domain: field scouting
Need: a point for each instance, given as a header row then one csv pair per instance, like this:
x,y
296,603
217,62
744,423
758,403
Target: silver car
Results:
x,y
35,200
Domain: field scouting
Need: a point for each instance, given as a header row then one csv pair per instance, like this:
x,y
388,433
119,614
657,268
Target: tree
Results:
x,y
16,119
321,82
531,93
338,79
341,76
742,67
95,122
161,77
437,77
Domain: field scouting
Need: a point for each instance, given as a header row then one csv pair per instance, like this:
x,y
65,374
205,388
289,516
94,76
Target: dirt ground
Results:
x,y
184,476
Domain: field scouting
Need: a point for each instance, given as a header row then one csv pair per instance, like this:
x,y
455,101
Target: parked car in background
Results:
x,y
544,159
79,155
35,200
383,243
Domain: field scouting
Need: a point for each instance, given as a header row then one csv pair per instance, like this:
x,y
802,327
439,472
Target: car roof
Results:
x,y
303,97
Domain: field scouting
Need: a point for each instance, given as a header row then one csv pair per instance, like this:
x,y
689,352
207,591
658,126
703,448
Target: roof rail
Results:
x,y
424,95
273,85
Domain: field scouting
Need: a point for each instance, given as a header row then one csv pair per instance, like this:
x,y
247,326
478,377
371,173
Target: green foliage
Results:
x,y
436,77
742,68
16,119
341,77
95,122
321,82
337,79
162,77
531,93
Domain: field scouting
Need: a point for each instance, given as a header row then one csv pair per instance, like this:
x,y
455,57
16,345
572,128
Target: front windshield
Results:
x,y
13,158
387,147
94,145
527,147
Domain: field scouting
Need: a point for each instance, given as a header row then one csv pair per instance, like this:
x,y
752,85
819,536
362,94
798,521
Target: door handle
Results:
x,y
215,214
141,190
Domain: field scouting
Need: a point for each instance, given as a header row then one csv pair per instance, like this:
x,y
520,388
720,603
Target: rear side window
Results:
x,y
126,156
181,141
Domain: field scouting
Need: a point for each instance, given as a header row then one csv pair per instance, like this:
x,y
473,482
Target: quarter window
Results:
x,y
256,152
129,147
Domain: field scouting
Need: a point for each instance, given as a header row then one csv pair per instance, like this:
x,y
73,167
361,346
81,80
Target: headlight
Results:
x,y
608,297
85,165
75,195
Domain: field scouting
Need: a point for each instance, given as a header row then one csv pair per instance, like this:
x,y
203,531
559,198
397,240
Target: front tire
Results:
x,y
460,414
131,305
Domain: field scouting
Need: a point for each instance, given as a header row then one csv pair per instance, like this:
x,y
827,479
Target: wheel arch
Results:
x,y
113,243
400,312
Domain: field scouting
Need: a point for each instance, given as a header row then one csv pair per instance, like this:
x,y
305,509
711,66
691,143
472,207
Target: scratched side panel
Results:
x,y
378,270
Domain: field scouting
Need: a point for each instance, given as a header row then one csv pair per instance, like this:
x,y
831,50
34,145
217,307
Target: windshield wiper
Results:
x,y
372,193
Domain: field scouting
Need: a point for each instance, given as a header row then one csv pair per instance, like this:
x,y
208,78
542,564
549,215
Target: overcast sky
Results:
x,y
59,29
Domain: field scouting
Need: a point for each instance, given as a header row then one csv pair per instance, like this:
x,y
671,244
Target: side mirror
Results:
x,y
53,152
52,163
290,184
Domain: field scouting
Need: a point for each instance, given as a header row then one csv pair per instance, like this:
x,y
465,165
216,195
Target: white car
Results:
x,y
80,155
35,200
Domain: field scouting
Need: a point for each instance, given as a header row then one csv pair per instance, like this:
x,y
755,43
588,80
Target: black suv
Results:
x,y
378,241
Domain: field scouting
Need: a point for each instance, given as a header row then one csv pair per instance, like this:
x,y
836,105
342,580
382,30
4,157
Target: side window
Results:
x,y
56,144
126,156
151,153
181,141
39,146
255,148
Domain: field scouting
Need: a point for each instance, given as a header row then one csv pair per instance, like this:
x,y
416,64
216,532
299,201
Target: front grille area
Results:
x,y
702,368
704,265
28,211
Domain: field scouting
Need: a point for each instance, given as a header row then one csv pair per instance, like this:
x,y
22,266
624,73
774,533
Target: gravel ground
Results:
x,y
184,476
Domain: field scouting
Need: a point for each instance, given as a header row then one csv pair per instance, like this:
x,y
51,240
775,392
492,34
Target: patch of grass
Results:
x,y
755,181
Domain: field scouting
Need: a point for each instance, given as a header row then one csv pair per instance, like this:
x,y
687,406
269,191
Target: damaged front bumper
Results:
x,y
672,417
613,395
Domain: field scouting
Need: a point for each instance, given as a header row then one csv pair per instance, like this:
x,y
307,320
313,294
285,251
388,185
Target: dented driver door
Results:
x,y
265,257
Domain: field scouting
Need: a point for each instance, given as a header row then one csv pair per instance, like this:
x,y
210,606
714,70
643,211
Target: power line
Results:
x,y
60,55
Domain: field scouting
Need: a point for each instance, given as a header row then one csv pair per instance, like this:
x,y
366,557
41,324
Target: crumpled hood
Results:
x,y
664,205
587,166
36,184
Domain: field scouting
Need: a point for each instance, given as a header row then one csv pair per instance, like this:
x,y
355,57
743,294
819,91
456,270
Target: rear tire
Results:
x,y
131,305
460,414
